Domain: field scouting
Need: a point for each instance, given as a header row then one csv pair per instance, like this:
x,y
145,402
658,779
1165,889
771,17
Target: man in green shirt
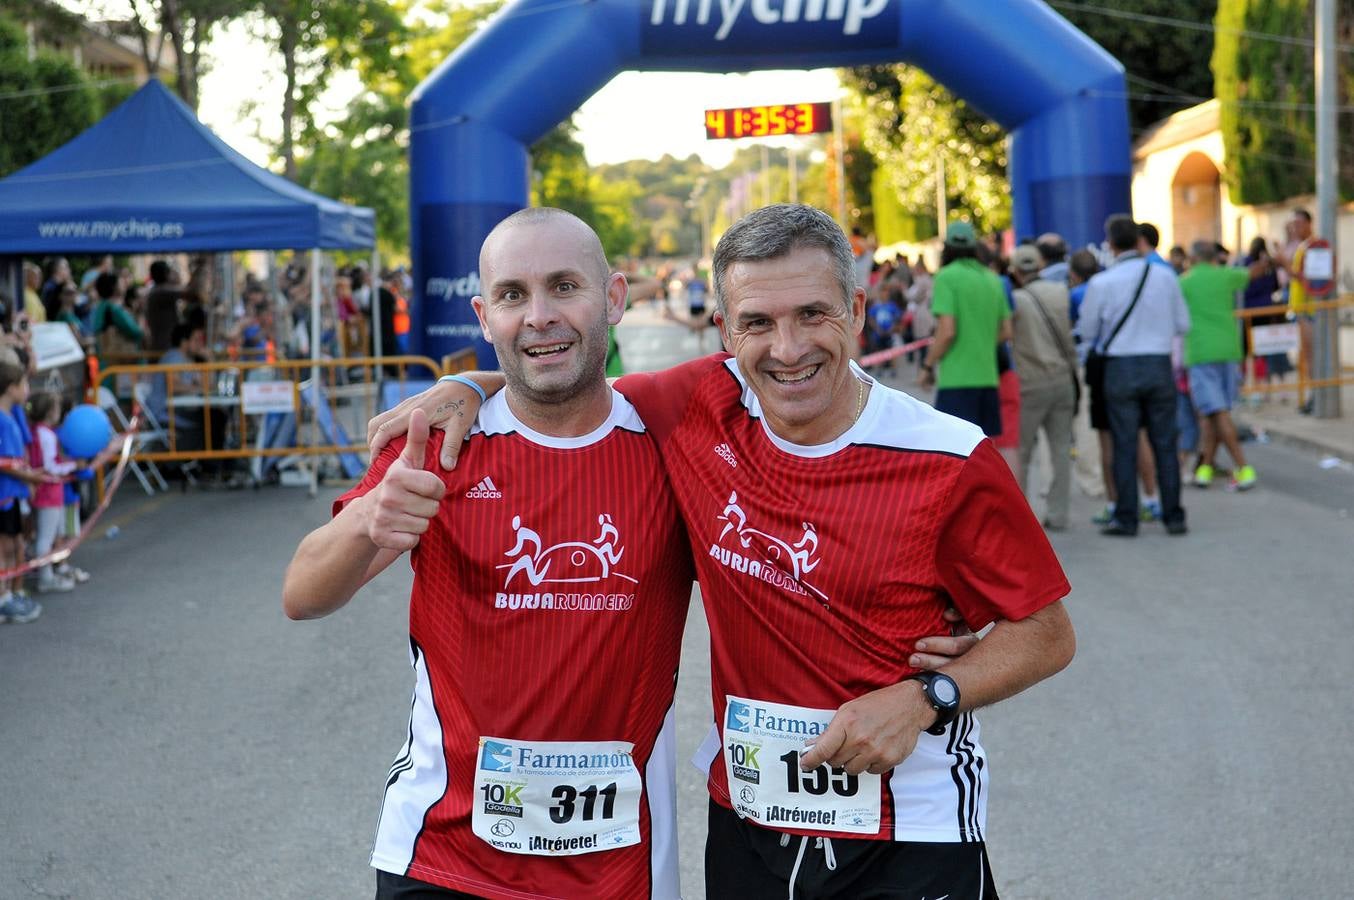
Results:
x,y
1213,359
972,318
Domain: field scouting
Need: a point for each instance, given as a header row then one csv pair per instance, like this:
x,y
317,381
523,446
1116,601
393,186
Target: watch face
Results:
x,y
944,691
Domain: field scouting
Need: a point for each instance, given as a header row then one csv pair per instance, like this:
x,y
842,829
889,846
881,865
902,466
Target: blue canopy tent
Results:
x,y
150,178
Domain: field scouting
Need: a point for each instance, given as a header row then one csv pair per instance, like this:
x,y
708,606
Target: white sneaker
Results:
x,y
56,584
79,575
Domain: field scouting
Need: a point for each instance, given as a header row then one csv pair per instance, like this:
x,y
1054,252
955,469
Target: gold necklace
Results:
x,y
860,400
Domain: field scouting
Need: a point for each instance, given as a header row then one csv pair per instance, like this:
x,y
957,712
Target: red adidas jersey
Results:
x,y
820,568
548,603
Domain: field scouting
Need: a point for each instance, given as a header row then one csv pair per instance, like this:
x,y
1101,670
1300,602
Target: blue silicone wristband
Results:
x,y
484,398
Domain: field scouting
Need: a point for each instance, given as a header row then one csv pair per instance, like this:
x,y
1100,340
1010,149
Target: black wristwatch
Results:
x,y
943,695
927,367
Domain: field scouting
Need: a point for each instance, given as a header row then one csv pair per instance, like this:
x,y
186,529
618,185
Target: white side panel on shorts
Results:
x,y
418,779
940,790
660,784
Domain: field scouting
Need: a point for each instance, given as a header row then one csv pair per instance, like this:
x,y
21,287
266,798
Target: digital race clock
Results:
x,y
767,121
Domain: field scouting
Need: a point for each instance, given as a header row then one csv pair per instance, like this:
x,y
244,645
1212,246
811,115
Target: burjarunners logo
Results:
x,y
575,562
770,558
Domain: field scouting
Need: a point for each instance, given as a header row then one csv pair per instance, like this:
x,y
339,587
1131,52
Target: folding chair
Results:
x,y
159,434
144,437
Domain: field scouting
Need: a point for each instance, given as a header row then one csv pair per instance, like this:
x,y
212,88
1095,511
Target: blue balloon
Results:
x,y
85,432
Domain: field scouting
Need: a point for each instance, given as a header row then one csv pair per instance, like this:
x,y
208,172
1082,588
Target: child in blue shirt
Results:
x,y
15,477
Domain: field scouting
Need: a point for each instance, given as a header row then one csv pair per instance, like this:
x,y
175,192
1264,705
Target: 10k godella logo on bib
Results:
x,y
762,745
556,798
569,576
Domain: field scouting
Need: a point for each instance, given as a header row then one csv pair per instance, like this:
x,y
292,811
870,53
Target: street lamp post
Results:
x,y
1326,349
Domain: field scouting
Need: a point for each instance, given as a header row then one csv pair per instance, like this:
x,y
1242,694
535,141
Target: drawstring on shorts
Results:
x,y
822,843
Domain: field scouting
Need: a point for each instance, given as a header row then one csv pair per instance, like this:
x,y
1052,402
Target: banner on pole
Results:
x,y
1267,340
268,397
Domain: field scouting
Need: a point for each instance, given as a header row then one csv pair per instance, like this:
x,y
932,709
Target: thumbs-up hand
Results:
x,y
407,499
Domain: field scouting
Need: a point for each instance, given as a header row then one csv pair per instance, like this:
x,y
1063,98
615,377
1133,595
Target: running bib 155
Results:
x,y
556,798
762,745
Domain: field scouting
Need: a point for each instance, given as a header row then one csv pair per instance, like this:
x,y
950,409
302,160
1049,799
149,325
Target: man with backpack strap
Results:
x,y
1132,312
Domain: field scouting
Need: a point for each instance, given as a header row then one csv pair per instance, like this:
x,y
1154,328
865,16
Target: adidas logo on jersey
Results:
x,y
485,490
726,454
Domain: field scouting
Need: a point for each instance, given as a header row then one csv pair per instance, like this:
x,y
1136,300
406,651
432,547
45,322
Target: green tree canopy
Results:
x,y
368,168
43,103
188,26
561,178
1164,58
317,38
911,124
1266,91
363,158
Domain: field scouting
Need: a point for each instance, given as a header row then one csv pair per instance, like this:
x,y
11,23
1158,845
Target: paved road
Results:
x,y
166,733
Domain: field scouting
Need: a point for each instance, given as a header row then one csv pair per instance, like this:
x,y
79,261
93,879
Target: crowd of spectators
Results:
x,y
127,319
346,327
1007,336
120,319
40,502
1011,332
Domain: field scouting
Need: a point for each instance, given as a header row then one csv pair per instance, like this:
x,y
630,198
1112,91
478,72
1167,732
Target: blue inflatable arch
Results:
x,y
1059,95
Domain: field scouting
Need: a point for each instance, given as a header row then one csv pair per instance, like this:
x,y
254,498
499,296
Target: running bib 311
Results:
x,y
556,798
762,745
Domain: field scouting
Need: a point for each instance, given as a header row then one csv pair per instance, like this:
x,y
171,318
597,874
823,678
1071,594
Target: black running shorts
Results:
x,y
745,861
11,520
399,887
981,406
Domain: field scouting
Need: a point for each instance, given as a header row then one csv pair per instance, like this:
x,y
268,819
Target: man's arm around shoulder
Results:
x,y
662,398
877,731
1013,656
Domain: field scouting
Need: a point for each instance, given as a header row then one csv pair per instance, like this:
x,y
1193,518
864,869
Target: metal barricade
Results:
x,y
231,409
463,360
1304,383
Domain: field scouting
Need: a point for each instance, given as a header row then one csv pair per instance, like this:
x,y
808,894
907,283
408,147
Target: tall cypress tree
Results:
x,y
1266,89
